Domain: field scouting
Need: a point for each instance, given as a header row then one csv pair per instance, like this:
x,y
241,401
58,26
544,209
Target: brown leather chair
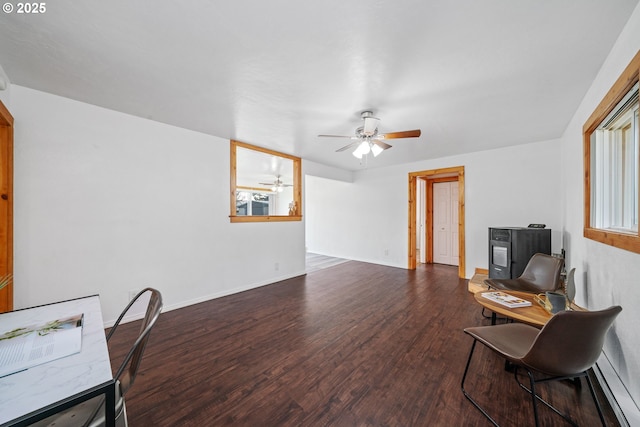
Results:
x,y
565,348
541,274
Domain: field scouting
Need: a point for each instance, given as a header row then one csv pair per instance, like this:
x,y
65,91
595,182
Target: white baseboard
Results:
x,y
623,405
139,315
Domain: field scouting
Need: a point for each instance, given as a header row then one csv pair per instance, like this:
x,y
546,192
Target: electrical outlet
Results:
x,y
386,252
276,266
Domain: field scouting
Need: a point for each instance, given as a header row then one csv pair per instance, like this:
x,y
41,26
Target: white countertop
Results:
x,y
27,391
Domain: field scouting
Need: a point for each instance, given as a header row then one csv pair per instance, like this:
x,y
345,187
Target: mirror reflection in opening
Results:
x,y
264,184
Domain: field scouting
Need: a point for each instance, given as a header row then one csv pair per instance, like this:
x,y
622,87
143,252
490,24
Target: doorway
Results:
x,y
424,232
445,222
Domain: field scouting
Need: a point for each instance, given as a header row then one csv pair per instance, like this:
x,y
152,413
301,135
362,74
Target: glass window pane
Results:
x,y
614,168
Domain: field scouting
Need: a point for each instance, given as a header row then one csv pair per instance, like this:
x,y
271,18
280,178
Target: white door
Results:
x,y
421,220
445,223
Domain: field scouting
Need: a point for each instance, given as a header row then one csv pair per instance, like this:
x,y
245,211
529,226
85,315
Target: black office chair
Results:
x,y
91,413
565,348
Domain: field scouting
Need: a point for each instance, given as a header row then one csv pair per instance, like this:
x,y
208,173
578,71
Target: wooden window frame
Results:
x,y
297,186
626,81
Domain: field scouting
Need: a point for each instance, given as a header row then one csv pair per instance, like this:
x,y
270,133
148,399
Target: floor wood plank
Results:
x,y
352,345
317,261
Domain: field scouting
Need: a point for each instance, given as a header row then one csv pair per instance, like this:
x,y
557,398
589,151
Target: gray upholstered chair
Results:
x,y
541,274
91,413
566,347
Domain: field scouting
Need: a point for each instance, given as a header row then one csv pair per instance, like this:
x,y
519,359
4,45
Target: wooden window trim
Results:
x,y
620,88
297,186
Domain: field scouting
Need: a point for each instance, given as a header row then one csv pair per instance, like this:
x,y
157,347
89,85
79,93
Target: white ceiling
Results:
x,y
472,75
255,169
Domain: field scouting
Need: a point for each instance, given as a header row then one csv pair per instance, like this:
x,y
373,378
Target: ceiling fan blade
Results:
x,y
406,134
381,144
346,147
335,136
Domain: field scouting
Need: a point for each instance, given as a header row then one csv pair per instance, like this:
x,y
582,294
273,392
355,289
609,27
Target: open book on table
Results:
x,y
28,346
506,299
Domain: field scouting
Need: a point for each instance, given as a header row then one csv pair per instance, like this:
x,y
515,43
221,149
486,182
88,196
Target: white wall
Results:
x,y
605,275
324,171
5,94
367,220
106,203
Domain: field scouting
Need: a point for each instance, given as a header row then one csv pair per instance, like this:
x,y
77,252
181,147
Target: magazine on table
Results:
x,y
28,346
506,299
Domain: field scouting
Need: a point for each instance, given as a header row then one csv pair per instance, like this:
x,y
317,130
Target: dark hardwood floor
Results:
x,y
352,345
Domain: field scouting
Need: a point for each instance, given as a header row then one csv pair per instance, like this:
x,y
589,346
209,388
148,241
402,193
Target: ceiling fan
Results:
x,y
367,139
277,186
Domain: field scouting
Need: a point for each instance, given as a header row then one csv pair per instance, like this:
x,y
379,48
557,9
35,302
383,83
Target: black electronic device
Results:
x,y
537,226
510,249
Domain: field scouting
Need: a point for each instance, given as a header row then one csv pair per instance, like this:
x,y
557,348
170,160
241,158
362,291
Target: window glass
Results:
x,y
252,203
611,164
614,148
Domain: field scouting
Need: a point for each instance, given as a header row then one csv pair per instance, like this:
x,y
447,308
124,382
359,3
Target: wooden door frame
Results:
x,y
429,226
6,196
455,173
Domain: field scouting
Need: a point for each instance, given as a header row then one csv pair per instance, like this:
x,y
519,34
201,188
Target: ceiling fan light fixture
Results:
x,y
368,140
376,150
364,147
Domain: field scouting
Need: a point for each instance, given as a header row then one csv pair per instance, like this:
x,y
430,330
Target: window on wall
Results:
x,y
253,203
614,168
611,165
265,185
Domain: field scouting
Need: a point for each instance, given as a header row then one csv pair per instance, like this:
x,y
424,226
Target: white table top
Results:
x,y
27,391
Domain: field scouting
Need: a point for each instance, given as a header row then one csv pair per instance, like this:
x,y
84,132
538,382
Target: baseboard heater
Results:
x,y
623,405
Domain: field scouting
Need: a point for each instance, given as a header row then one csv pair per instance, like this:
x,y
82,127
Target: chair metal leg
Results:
x,y
464,376
535,397
494,317
532,391
595,399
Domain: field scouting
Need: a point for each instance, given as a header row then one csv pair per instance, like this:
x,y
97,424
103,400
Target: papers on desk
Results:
x,y
506,299
25,347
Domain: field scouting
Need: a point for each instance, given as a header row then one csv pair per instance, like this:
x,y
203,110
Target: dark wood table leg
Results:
x,y
110,405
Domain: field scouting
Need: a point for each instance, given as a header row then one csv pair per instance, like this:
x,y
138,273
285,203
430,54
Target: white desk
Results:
x,y
43,390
